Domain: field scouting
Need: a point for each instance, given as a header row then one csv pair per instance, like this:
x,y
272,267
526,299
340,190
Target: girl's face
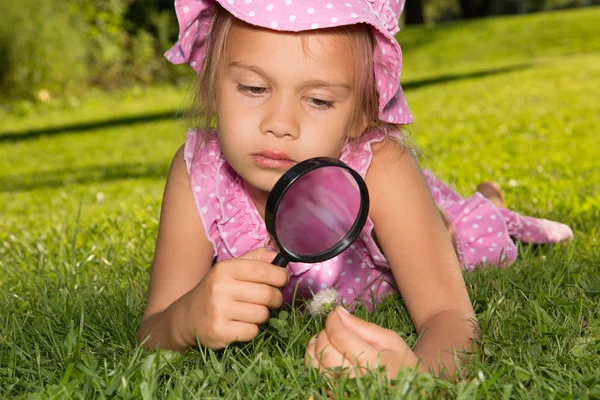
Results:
x,y
282,98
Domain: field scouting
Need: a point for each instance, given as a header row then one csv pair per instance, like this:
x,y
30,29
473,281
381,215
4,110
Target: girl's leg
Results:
x,y
490,190
493,192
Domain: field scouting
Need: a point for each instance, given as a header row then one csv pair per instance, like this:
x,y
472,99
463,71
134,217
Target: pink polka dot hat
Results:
x,y
195,18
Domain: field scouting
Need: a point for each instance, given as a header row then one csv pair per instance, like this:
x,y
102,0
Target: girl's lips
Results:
x,y
273,159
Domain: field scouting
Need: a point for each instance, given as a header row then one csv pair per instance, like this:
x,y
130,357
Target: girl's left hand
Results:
x,y
356,345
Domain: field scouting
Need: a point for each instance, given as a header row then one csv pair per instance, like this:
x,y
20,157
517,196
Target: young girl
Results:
x,y
284,81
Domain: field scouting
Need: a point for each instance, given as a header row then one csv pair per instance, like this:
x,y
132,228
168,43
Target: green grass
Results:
x,y
511,99
491,43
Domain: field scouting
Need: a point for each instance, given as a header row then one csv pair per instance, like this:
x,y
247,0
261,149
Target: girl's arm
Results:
x,y
188,301
182,257
420,253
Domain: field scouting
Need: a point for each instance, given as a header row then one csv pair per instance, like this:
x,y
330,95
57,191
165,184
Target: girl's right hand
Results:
x,y
233,298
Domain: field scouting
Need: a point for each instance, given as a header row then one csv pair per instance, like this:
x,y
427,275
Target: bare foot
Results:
x,y
492,191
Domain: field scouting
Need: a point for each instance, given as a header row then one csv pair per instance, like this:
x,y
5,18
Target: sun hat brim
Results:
x,y
195,18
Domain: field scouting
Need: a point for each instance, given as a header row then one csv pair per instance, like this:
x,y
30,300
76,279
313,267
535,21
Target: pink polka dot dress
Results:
x,y
361,273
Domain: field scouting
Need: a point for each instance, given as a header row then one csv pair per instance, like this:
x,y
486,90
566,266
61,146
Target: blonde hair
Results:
x,y
366,104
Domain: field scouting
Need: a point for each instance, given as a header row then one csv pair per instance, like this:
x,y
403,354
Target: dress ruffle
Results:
x,y
234,226
217,185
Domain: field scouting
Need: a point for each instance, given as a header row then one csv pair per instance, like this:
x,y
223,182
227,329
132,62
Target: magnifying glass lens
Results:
x,y
316,210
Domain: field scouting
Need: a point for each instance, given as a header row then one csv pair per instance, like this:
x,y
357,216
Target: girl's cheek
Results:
x,y
249,101
331,115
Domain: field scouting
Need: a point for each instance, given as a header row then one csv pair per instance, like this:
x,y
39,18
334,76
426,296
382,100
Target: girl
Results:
x,y
284,81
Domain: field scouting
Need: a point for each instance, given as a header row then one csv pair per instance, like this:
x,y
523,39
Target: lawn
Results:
x,y
511,99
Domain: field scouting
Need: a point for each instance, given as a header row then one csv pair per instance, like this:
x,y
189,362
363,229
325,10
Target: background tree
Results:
x,y
413,11
475,8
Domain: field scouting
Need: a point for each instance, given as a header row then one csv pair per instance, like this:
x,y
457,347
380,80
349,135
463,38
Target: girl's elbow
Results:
x,y
142,335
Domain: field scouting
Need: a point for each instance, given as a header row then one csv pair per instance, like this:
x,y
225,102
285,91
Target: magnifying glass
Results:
x,y
316,210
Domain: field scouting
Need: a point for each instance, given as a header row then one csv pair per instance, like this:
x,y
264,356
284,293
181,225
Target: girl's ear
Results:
x,y
360,127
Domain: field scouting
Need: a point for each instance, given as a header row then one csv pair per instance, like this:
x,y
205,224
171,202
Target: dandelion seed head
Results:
x,y
323,302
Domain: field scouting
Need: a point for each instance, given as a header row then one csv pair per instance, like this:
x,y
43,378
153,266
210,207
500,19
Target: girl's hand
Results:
x,y
357,345
233,298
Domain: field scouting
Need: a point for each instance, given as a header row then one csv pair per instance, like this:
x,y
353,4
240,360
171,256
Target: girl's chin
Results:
x,y
257,180
260,187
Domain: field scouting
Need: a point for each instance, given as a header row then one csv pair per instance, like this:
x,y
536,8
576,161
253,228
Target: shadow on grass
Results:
x,y
456,77
17,136
99,173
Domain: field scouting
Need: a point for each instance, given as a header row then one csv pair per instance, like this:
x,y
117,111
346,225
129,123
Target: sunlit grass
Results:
x,y
80,194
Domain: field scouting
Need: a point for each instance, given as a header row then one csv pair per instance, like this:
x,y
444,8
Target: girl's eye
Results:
x,y
320,104
252,90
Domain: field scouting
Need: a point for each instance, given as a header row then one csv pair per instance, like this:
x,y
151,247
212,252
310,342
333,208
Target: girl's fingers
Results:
x,y
250,270
260,254
310,358
354,348
249,313
240,332
256,293
389,348
258,267
322,355
378,337
348,341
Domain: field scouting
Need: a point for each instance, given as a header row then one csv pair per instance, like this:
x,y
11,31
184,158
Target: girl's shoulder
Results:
x,y
203,161
202,149
231,222
359,153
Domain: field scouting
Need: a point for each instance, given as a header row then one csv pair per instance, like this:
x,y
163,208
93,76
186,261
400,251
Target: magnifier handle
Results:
x,y
280,261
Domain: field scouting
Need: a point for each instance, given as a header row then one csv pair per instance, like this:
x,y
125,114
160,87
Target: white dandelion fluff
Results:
x,y
323,302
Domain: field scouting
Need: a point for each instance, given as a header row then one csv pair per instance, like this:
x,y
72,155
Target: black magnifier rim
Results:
x,y
287,180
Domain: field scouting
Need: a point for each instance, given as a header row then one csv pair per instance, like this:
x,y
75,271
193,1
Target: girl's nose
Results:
x,y
281,119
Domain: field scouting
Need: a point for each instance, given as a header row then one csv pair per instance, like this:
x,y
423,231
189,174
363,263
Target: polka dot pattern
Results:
x,y
361,273
295,16
485,233
233,226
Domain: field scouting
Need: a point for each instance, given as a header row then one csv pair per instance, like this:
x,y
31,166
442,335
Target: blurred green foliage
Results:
x,y
40,48
102,24
435,11
58,48
52,48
